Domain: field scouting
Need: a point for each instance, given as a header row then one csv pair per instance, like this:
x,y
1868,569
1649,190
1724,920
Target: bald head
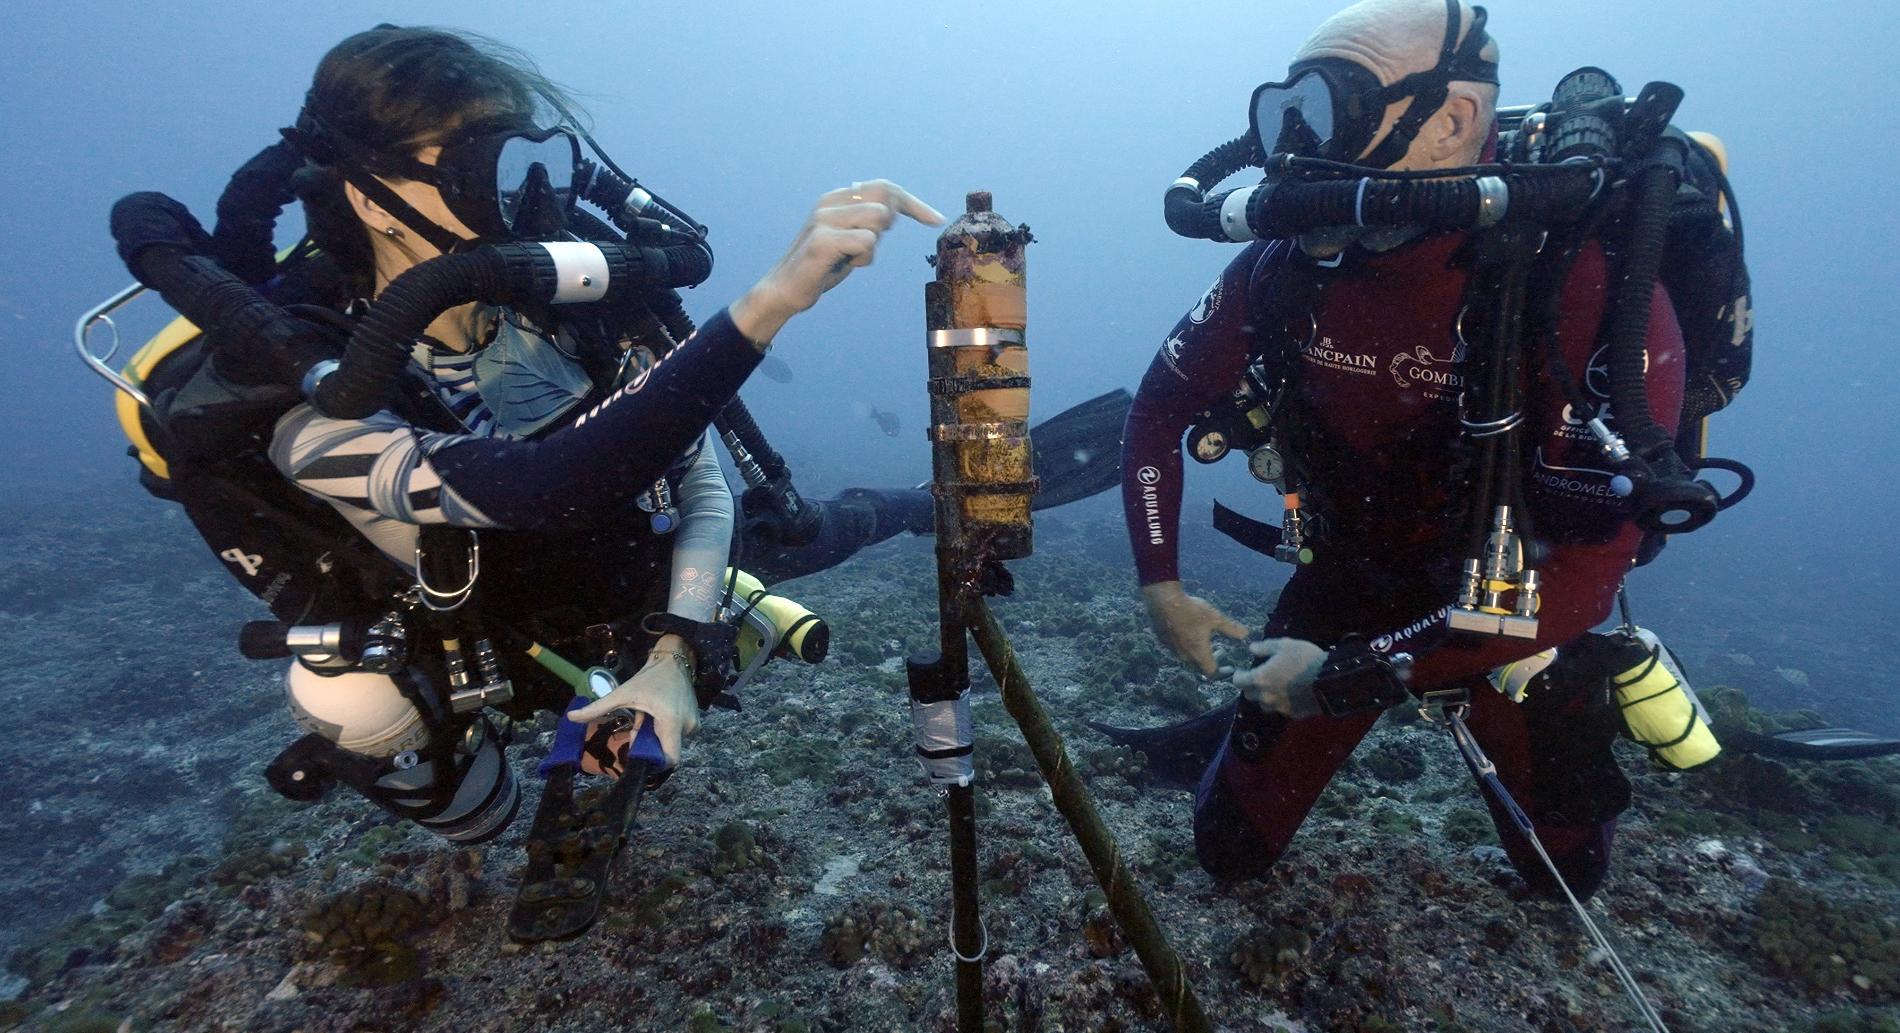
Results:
x,y
1393,38
1396,38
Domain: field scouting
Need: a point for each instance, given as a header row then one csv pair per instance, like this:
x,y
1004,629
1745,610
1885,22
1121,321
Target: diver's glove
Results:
x,y
1283,684
147,220
1187,624
248,210
661,692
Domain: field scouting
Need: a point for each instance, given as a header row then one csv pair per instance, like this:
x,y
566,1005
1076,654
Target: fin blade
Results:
x,y
1078,451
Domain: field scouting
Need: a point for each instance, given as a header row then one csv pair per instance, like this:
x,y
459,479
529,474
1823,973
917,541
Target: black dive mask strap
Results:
x,y
323,145
1429,89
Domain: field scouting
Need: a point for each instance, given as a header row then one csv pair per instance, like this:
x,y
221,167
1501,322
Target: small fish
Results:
x,y
776,369
886,422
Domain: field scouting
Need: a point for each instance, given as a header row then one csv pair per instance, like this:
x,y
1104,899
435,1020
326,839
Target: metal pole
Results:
x,y
1071,797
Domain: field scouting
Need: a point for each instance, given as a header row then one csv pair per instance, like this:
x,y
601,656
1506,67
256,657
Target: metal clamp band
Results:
x,y
975,337
1494,201
979,431
958,385
958,489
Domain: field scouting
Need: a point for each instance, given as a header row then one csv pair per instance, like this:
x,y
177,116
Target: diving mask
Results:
x,y
1332,108
505,182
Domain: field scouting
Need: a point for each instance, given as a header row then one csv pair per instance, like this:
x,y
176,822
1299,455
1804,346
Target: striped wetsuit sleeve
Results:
x,y
589,469
380,465
582,473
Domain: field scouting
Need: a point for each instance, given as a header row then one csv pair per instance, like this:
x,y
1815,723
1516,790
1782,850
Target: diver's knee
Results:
x,y
1226,843
452,779
1582,867
1232,855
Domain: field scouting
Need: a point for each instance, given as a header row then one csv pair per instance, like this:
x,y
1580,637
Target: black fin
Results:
x,y
1176,753
1810,744
571,849
1078,452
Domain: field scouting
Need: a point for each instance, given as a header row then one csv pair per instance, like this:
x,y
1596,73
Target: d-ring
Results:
x,y
982,950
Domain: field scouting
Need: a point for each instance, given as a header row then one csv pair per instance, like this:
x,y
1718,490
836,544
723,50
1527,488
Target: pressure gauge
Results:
x,y
1267,465
1210,446
600,682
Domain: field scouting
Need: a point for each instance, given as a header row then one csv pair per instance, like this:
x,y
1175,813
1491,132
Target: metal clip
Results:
x,y
1439,705
454,597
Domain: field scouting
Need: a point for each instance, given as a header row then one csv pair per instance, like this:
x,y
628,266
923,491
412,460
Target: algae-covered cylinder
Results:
x,y
975,316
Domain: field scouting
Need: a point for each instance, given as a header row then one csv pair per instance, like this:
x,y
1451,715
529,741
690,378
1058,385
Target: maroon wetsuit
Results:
x,y
1377,391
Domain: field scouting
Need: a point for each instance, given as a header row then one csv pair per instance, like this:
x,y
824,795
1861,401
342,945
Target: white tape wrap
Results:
x,y
1233,216
945,740
580,271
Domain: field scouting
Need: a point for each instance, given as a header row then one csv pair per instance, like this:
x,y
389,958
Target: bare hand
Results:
x,y
662,693
1284,683
1187,624
840,235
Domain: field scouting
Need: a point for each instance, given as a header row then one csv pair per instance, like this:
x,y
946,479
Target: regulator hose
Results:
x,y
244,238
735,418
802,522
1667,498
1282,206
1185,205
627,204
501,274
1652,190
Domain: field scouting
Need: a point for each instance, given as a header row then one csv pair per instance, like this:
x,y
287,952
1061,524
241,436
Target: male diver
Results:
x,y
1369,366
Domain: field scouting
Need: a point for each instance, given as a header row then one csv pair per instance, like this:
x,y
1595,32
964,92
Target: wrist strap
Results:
x,y
1355,679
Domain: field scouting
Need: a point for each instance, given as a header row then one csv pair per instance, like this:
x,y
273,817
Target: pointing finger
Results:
x,y
885,192
908,204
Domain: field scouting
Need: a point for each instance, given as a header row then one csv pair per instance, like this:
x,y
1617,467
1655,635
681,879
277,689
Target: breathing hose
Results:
x,y
1667,498
1284,207
243,239
1185,205
502,274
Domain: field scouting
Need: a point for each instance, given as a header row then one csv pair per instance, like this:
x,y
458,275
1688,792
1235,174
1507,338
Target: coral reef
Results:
x,y
1826,945
1268,957
793,875
891,932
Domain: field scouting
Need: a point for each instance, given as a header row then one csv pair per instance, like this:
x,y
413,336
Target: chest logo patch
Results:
x,y
1419,368
1322,351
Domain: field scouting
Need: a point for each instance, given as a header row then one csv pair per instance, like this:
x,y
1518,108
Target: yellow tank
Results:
x,y
1661,711
178,333
796,631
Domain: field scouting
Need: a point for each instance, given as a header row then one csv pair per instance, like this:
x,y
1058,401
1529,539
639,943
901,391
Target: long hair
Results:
x,y
396,90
